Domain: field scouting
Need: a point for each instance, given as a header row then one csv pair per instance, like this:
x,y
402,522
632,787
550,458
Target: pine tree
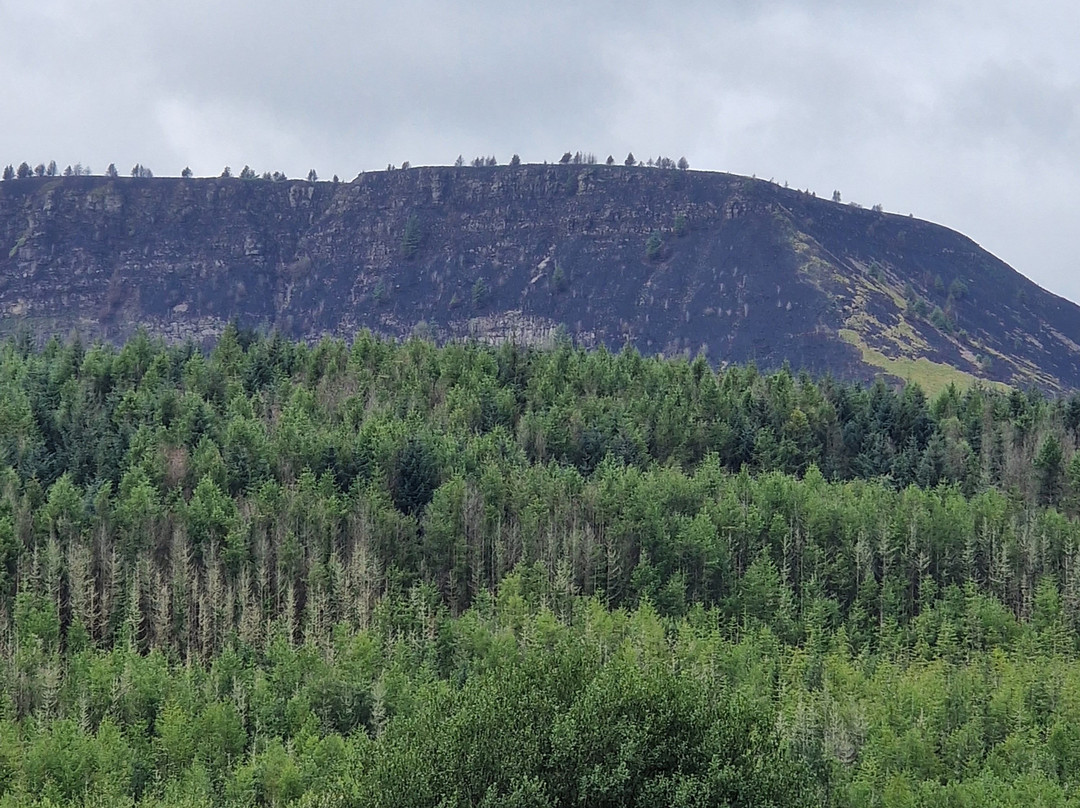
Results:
x,y
411,237
1050,468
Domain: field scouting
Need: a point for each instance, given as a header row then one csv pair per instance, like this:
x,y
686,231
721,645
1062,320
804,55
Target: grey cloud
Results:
x,y
963,111
1016,103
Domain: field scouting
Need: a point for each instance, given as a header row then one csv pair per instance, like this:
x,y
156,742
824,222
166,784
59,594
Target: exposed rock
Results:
x,y
670,261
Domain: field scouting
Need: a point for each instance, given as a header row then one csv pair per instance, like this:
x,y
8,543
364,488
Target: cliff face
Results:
x,y
670,261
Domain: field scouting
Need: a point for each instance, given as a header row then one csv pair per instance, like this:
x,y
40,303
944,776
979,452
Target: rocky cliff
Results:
x,y
670,261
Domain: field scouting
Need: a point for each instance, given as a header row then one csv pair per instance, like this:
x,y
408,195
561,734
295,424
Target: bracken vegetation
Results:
x,y
398,574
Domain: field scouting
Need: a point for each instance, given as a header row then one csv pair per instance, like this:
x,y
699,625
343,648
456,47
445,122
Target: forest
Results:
x,y
398,574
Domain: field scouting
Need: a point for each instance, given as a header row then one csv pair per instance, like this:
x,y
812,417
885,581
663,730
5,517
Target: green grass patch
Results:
x,y
18,246
932,377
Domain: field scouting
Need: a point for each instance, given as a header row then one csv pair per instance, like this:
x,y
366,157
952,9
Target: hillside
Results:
x,y
670,261
409,576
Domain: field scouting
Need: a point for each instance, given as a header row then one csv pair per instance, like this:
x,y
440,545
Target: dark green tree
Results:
x,y
654,245
1050,470
415,476
1072,415
411,237
479,293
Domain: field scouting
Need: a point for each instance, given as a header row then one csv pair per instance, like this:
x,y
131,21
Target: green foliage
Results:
x,y
479,293
415,476
1049,465
941,320
558,278
37,621
411,237
602,707
654,245
399,574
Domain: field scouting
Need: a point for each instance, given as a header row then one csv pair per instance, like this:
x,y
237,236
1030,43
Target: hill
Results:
x,y
669,261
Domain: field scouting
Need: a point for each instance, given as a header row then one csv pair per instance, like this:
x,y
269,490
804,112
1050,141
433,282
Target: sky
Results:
x,y
960,112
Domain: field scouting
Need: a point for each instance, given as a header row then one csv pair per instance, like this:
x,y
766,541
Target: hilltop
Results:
x,y
670,261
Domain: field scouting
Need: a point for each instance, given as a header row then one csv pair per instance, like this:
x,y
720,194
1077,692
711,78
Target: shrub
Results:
x,y
410,239
654,245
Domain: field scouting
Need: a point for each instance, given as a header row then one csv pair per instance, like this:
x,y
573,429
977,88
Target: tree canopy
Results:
x,y
401,574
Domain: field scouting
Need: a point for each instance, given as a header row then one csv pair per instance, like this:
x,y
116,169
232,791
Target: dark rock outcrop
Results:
x,y
670,261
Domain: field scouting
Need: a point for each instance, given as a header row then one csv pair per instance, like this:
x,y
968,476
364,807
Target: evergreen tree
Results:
x,y
479,293
411,237
1049,464
415,476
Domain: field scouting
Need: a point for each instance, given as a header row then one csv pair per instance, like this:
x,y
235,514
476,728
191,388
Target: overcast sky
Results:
x,y
962,112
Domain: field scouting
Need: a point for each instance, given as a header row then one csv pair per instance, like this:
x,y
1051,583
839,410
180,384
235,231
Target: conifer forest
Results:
x,y
395,574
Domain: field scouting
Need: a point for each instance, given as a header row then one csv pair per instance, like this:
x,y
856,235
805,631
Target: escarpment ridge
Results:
x,y
670,261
